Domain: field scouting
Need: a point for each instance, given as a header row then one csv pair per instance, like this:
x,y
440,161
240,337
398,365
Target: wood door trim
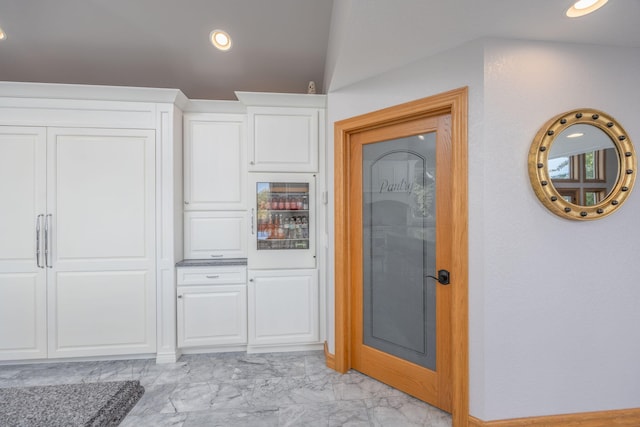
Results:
x,y
455,103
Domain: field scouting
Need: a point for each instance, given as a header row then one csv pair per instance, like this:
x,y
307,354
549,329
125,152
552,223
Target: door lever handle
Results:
x,y
444,277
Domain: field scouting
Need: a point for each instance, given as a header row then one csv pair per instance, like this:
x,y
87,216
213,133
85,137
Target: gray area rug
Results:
x,y
90,404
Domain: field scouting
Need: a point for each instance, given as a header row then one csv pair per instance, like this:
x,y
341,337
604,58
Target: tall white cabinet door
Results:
x,y
283,139
101,201
22,281
283,307
215,161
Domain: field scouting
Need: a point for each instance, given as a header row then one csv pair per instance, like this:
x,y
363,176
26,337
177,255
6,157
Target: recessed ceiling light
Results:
x,y
3,35
220,39
575,135
584,7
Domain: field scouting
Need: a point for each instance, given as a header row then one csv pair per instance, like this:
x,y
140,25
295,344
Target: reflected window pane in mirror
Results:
x,y
590,166
560,168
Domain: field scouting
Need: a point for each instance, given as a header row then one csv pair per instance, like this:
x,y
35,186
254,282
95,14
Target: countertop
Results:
x,y
211,262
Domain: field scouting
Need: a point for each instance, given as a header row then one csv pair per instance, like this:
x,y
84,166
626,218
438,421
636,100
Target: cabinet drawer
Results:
x,y
211,275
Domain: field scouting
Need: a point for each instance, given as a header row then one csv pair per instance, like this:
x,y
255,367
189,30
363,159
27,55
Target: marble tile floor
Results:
x,y
239,389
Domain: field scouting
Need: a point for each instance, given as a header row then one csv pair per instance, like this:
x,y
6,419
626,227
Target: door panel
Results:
x,y
100,309
215,235
212,315
269,292
101,200
215,162
22,316
399,247
22,282
400,332
22,191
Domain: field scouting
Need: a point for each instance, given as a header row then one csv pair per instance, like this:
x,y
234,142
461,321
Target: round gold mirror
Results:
x,y
582,165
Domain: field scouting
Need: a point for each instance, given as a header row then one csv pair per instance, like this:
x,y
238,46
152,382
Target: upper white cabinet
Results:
x,y
215,161
215,234
284,131
283,139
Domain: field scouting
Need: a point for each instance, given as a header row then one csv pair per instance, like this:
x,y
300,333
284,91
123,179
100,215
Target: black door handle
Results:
x,y
444,277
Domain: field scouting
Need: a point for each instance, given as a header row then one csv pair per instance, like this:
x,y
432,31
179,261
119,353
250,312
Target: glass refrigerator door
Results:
x,y
283,223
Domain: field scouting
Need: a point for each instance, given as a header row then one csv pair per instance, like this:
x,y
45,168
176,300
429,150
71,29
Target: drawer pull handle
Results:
x,y
216,256
213,277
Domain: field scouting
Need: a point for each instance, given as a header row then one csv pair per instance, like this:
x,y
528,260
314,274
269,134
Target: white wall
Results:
x,y
561,297
553,303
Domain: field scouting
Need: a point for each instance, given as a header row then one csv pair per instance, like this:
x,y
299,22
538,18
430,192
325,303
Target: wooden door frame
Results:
x,y
455,103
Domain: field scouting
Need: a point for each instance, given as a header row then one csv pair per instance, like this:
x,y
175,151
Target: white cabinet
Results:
x,y
283,139
77,261
215,234
212,306
215,161
283,307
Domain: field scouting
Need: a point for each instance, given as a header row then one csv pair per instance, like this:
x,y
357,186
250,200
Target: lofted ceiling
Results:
x,y
278,45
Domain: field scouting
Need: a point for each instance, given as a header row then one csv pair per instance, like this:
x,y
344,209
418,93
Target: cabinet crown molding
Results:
x,y
92,92
266,99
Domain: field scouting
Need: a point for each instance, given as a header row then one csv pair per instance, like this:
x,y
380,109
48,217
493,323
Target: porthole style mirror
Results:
x,y
582,165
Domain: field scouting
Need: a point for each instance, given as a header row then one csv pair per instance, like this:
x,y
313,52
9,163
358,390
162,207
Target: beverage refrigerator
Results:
x,y
283,219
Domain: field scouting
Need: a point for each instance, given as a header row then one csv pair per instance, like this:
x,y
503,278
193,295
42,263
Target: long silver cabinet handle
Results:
x,y
253,212
47,230
38,228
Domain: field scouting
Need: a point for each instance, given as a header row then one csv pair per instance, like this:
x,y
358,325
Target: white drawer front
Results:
x,y
211,275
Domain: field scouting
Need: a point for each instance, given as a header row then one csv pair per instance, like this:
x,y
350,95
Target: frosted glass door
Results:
x,y
398,215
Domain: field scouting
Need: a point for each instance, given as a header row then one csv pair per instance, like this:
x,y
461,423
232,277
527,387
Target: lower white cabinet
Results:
x,y
212,306
283,307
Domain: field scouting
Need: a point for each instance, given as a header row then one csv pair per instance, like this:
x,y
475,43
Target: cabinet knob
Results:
x,y
179,296
252,162
251,280
186,203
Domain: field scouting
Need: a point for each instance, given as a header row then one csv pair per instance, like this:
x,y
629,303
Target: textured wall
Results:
x,y
561,297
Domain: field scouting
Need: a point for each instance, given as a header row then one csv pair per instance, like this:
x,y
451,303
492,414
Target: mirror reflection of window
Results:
x,y
593,197
595,165
560,168
569,194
